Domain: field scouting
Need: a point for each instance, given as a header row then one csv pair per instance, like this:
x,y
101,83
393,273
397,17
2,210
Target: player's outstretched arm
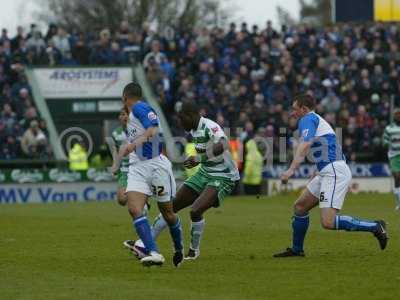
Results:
x,y
299,156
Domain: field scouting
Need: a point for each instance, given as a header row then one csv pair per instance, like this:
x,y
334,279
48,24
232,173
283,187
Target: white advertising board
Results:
x,y
61,83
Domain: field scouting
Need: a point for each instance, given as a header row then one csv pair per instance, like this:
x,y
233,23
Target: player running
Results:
x,y
391,139
215,179
119,137
329,187
150,174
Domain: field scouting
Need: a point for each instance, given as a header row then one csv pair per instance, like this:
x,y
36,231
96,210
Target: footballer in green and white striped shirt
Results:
x,y
391,139
215,179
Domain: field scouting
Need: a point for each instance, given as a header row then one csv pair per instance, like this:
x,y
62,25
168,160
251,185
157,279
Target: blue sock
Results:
x,y
300,226
349,223
143,230
176,234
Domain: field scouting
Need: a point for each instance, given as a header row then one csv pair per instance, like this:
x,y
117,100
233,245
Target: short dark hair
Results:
x,y
305,99
132,90
124,109
189,108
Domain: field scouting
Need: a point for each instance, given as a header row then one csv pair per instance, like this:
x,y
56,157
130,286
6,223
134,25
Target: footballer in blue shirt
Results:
x,y
150,174
329,187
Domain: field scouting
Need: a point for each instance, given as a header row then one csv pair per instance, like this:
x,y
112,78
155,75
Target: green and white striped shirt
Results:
x,y
391,138
207,133
119,137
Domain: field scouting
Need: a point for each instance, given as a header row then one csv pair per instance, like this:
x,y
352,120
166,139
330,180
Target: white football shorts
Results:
x,y
331,184
152,177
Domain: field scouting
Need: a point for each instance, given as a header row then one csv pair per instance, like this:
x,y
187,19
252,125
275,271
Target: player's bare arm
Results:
x,y
139,141
126,149
300,154
215,150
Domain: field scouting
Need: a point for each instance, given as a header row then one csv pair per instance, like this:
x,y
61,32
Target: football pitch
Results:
x,y
74,251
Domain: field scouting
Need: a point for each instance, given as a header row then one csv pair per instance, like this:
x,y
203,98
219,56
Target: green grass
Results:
x,y
74,251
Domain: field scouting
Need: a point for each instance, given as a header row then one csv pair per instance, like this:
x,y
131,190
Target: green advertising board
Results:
x,y
54,175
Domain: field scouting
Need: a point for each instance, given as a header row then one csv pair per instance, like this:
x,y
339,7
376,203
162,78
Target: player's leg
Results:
x,y
138,191
136,203
122,199
396,190
395,168
206,200
136,246
301,219
122,179
334,189
174,224
121,196
184,198
164,189
215,190
330,219
186,195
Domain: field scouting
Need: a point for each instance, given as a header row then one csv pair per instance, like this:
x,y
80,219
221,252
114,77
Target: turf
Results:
x,y
74,251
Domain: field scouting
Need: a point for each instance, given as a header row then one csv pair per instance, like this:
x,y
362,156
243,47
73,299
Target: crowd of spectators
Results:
x,y
242,77
245,77
23,134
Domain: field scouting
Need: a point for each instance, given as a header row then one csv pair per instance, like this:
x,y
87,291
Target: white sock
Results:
x,y
196,232
158,226
396,192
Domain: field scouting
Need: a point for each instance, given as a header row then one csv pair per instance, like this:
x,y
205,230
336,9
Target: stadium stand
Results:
x,y
242,77
245,78
23,133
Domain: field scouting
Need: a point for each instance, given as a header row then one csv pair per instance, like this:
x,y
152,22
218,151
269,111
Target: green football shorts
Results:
x,y
122,178
395,163
200,180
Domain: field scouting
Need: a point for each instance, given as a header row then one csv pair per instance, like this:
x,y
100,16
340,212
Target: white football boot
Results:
x,y
153,259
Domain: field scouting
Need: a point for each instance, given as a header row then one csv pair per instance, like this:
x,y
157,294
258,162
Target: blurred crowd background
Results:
x,y
242,76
